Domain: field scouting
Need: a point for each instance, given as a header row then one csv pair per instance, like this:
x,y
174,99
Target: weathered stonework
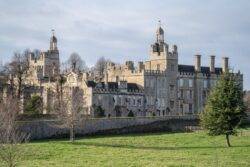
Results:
x,y
159,86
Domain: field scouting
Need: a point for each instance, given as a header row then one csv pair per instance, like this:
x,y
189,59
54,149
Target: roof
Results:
x,y
133,86
191,69
112,85
91,83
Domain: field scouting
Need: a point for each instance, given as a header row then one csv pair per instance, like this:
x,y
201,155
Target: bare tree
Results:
x,y
18,68
70,109
26,54
75,62
11,138
37,52
100,66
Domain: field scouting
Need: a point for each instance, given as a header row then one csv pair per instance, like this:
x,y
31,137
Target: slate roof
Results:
x,y
191,69
112,85
91,83
133,86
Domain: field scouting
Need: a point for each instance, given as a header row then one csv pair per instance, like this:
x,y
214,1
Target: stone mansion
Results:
x,y
159,86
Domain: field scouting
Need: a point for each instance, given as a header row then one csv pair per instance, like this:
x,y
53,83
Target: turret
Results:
x,y
53,42
159,34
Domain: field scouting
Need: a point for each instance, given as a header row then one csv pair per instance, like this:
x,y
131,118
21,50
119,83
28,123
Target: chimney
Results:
x,y
140,66
198,63
106,78
212,62
225,64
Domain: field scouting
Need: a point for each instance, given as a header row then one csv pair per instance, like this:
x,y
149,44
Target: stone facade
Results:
x,y
159,86
170,88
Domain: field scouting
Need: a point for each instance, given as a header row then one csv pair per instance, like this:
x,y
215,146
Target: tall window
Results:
x,y
171,104
190,94
190,83
134,102
205,84
181,108
181,82
190,108
139,102
204,94
171,89
181,94
172,67
158,66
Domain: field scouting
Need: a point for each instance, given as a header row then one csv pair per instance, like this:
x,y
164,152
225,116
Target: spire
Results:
x,y
159,23
53,32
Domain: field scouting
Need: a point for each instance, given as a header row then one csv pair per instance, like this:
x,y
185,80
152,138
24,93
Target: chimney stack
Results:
x,y
212,62
225,64
198,63
106,78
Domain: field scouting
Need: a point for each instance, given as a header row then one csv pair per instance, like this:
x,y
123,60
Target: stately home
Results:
x,y
159,86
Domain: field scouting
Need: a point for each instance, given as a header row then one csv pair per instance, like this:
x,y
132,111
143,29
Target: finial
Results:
x,y
159,23
53,32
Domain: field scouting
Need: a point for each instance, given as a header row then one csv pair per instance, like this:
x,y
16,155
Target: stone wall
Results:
x,y
43,129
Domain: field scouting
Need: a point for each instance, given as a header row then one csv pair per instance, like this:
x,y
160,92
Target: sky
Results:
x,y
123,30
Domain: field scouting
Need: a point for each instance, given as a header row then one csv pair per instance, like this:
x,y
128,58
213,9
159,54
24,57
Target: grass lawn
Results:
x,y
157,149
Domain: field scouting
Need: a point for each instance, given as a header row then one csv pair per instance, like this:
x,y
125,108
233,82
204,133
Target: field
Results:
x,y
156,149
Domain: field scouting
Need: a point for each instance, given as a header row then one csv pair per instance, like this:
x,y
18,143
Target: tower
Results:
x,y
51,58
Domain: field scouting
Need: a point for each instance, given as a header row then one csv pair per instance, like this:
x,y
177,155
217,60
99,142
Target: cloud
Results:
x,y
122,30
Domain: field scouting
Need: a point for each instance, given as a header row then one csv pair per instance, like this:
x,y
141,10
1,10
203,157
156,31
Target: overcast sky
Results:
x,y
123,30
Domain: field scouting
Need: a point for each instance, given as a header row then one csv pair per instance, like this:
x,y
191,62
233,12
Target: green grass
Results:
x,y
159,149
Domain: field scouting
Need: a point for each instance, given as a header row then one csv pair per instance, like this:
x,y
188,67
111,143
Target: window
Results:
x,y
190,94
181,94
139,102
158,66
171,89
205,84
181,108
181,82
190,108
172,67
204,94
190,83
171,104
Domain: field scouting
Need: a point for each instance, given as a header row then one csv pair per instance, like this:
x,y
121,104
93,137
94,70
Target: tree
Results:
x,y
70,109
37,52
75,62
11,138
18,68
225,108
100,66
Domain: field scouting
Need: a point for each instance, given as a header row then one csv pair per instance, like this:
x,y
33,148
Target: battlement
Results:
x,y
117,91
155,72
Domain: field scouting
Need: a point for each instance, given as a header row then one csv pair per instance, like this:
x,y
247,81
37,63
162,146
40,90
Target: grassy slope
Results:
x,y
161,149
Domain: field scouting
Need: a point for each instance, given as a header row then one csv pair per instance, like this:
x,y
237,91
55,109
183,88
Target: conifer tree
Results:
x,y
225,108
